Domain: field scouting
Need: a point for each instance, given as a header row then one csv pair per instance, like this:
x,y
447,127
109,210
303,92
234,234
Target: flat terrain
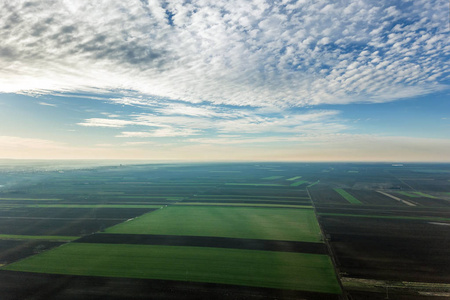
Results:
x,y
226,231
295,271
238,222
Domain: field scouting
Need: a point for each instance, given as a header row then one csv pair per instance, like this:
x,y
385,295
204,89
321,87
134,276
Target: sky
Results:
x,y
230,80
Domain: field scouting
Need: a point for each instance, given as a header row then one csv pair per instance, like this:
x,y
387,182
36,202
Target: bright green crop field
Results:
x,y
347,196
283,270
238,222
298,183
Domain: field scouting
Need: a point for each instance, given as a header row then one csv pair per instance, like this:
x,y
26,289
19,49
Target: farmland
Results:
x,y
256,223
243,267
240,231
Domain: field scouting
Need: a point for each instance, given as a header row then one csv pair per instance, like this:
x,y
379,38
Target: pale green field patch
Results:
x,y
239,222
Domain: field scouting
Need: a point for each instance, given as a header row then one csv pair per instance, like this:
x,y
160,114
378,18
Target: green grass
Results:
x,y
273,177
282,270
425,195
254,184
244,204
93,206
294,178
347,196
30,199
299,183
238,222
36,237
409,194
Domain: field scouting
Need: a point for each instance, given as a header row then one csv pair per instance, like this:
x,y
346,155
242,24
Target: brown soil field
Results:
x,y
13,250
202,241
389,249
21,285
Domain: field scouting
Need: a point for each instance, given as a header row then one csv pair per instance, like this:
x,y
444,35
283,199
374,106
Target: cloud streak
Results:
x,y
242,53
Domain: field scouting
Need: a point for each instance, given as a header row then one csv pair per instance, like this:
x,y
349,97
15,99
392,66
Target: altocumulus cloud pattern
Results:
x,y
243,53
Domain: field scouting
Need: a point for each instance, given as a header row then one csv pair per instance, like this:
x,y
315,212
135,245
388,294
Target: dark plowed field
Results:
x,y
374,198
20,285
41,226
260,191
298,202
327,196
360,295
13,250
390,249
96,213
202,241
406,211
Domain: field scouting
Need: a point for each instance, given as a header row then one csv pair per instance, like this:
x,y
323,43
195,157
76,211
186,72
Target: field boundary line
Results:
x,y
344,295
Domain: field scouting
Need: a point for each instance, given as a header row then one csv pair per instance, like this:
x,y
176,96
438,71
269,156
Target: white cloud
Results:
x,y
47,104
165,132
227,52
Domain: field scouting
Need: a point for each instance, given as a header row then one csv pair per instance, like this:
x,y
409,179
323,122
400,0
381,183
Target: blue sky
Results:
x,y
225,80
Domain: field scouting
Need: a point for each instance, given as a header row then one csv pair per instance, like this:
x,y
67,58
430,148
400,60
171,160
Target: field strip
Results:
x,y
348,196
397,198
240,196
37,237
29,199
224,202
408,194
425,195
294,178
314,183
254,184
386,217
205,241
93,206
272,177
281,270
252,200
242,204
299,183
63,219
423,288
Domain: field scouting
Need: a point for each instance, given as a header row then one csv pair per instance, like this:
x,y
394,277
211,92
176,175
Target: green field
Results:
x,y
313,184
239,222
36,237
294,178
347,196
272,177
283,270
409,194
297,183
425,195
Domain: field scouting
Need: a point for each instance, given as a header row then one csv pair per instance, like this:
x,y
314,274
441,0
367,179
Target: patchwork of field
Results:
x,y
247,228
221,231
